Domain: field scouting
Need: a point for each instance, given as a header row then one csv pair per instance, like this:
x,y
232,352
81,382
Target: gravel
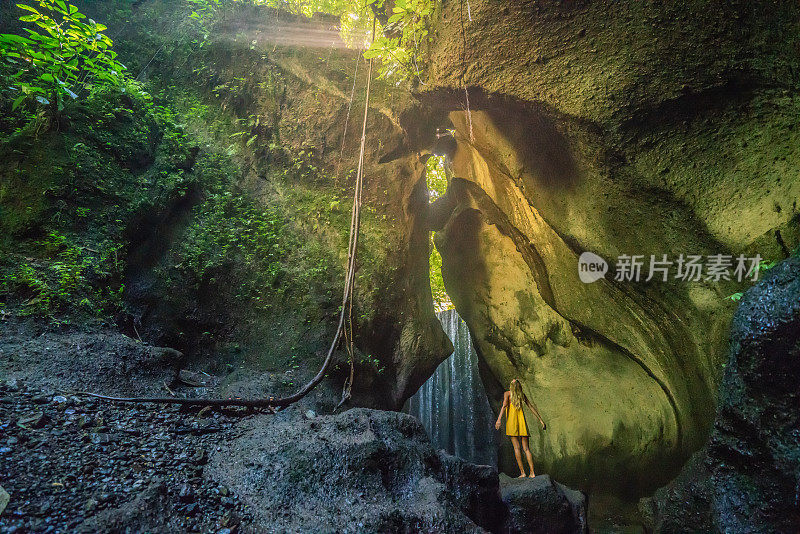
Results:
x,y
72,464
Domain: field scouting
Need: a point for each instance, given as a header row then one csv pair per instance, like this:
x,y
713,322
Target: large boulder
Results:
x,y
541,505
359,471
747,478
86,359
585,131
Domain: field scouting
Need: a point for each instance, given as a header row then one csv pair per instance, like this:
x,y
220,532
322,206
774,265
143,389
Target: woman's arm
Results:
x,y
502,410
535,411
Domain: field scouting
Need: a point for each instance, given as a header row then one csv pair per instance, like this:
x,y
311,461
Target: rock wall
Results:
x,y
746,479
257,79
617,128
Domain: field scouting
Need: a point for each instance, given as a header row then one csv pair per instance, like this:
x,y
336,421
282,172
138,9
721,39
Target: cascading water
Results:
x,y
452,404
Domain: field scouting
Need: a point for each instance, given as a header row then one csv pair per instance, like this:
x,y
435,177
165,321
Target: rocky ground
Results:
x,y
72,464
75,464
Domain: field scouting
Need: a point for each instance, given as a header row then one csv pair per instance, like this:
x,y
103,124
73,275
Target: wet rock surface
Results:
x,y
746,479
76,465
586,132
359,471
542,505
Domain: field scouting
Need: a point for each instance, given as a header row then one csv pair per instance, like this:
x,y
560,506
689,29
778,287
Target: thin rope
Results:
x,y
349,107
469,115
186,19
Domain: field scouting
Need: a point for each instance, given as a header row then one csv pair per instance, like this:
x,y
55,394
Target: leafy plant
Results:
x,y
401,42
65,56
436,178
229,231
68,275
762,266
370,360
309,7
441,300
203,12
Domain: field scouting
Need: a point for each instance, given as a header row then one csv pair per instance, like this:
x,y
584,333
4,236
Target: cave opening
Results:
x,y
437,175
452,404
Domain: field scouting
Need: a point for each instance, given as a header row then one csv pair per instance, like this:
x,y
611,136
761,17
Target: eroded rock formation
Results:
x,y
615,128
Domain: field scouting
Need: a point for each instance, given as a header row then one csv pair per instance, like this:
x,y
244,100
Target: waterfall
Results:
x,y
452,404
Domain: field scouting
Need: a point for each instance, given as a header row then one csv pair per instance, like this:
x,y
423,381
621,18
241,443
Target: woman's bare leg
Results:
x,y
528,454
518,454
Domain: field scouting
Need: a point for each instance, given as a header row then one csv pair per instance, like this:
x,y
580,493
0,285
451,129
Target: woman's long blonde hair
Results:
x,y
516,394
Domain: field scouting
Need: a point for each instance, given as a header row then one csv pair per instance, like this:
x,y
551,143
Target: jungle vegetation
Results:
x,y
85,124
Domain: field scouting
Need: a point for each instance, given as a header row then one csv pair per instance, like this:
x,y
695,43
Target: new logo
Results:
x,y
591,267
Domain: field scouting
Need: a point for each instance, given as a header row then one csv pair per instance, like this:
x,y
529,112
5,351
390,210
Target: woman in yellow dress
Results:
x,y
516,428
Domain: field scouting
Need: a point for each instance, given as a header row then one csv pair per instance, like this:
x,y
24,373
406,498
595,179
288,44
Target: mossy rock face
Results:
x,y
67,195
237,253
282,111
615,128
104,138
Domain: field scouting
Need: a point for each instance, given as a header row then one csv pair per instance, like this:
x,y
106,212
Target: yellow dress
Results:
x,y
515,422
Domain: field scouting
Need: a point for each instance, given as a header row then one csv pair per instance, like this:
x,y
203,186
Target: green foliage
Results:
x,y
63,57
67,197
372,361
762,266
300,260
203,12
441,300
309,7
229,231
436,178
766,265
67,275
401,43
